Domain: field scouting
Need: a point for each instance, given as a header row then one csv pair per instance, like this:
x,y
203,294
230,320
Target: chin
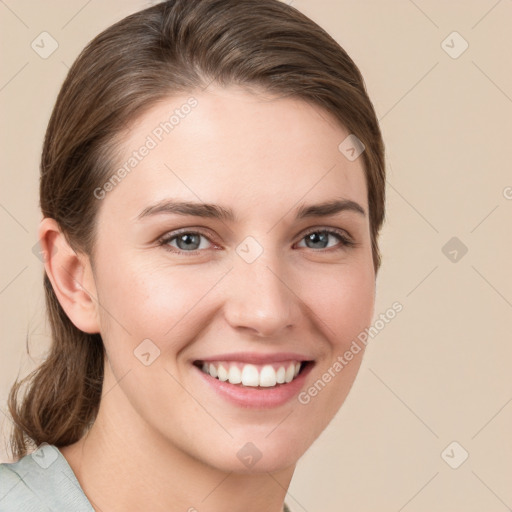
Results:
x,y
259,456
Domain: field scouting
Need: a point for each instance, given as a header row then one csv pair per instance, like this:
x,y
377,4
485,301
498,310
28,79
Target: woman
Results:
x,y
212,190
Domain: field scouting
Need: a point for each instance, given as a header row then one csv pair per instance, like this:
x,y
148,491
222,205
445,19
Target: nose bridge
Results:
x,y
260,297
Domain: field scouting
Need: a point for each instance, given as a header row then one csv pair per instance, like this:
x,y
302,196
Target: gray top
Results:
x,y
43,481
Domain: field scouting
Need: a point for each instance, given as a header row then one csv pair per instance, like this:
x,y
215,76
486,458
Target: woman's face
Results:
x,y
249,285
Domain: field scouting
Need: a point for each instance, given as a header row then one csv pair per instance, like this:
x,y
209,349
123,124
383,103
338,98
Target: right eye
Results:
x,y
187,242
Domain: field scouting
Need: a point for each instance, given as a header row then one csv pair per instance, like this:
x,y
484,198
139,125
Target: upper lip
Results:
x,y
256,358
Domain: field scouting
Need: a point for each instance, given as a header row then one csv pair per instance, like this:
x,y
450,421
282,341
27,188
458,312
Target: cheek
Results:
x,y
343,301
154,301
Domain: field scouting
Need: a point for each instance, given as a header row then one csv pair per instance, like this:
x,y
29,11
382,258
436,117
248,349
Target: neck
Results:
x,y
122,464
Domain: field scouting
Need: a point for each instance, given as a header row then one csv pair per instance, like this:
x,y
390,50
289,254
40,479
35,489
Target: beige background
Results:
x,y
440,371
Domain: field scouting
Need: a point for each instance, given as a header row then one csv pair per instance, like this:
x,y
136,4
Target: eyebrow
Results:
x,y
214,211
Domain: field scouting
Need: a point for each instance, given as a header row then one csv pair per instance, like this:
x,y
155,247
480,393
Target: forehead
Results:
x,y
240,149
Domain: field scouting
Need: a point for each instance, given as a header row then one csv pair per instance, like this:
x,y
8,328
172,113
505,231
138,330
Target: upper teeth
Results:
x,y
267,375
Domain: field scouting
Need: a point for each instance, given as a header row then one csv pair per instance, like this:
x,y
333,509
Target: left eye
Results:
x,y
321,237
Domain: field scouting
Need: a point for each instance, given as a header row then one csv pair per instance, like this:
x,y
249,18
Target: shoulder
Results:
x,y
17,490
39,482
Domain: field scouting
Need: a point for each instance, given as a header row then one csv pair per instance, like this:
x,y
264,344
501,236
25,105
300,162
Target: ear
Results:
x,y
71,277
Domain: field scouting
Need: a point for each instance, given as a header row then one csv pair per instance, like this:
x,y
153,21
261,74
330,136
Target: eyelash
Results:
x,y
164,241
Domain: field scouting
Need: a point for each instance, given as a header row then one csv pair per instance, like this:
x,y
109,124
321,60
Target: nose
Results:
x,y
262,297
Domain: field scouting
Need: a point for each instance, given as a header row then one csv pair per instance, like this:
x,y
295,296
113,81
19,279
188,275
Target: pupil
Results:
x,y
318,238
187,239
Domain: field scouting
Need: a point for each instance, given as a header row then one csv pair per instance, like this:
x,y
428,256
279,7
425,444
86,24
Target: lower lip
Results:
x,y
256,397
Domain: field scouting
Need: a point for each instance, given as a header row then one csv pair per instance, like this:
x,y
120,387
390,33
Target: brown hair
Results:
x,y
173,47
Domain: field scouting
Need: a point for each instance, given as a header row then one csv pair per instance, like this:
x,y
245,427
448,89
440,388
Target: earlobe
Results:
x,y
71,277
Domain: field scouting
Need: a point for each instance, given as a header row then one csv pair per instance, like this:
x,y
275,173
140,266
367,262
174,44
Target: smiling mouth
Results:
x,y
253,375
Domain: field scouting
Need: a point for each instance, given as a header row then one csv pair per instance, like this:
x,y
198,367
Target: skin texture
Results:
x,y
163,440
